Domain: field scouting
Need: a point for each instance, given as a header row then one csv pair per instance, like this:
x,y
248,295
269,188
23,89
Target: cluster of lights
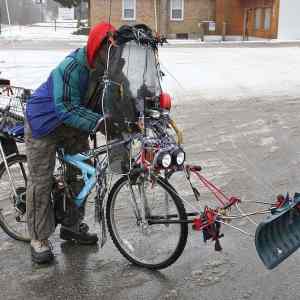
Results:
x,y
165,159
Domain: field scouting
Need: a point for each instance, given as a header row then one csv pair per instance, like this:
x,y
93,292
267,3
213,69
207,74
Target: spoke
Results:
x,y
13,218
150,244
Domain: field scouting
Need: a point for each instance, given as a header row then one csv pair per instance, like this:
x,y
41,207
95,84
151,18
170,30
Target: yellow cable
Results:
x,y
178,132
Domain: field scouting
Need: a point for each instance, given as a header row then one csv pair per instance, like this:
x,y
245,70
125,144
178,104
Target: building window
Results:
x,y
177,10
268,16
129,10
258,15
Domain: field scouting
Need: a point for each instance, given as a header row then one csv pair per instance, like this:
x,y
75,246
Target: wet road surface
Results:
x,y
251,149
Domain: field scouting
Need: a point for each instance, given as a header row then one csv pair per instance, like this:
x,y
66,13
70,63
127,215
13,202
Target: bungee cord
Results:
x,y
236,228
247,216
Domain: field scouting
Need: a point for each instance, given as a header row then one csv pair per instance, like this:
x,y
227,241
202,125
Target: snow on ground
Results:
x,y
234,73
208,73
41,32
29,68
205,73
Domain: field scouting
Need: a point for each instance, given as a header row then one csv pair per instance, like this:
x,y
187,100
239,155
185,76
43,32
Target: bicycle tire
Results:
x,y
178,249
16,159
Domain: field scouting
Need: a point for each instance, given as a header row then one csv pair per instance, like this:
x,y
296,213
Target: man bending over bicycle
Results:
x,y
57,116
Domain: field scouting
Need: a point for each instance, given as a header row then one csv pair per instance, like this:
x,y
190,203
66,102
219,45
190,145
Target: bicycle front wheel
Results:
x,y
13,207
146,220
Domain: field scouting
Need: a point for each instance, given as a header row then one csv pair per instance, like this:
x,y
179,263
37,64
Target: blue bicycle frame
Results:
x,y
88,172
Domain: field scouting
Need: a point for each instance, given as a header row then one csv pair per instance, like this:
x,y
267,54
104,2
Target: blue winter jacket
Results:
x,y
60,99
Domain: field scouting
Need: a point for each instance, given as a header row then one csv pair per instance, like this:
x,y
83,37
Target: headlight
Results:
x,y
180,158
166,160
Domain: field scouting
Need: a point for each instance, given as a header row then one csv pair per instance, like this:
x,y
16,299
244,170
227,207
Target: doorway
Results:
x,y
248,23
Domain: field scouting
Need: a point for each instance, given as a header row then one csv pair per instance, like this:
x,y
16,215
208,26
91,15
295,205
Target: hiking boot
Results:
x,y
41,252
82,236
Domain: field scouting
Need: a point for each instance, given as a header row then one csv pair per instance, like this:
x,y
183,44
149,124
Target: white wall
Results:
x,y
289,20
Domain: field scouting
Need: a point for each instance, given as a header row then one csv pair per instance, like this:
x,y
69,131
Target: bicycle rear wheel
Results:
x,y
133,209
12,208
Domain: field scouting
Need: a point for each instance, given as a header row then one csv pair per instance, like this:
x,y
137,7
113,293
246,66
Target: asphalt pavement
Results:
x,y
251,149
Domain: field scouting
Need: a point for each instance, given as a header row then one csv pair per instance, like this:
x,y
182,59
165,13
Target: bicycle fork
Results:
x,y
134,205
144,203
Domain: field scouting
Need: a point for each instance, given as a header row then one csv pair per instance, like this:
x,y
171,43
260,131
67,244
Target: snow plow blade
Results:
x,y
279,236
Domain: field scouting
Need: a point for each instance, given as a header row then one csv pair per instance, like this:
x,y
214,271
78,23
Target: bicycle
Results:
x,y
134,208
13,171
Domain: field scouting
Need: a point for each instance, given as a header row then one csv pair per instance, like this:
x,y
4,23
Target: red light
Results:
x,y
165,101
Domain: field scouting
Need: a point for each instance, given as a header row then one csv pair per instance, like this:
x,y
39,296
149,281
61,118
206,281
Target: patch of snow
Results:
x,y
267,141
258,122
231,73
256,132
274,149
41,32
28,68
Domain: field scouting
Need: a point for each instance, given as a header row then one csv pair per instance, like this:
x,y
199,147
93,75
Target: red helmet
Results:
x,y
96,36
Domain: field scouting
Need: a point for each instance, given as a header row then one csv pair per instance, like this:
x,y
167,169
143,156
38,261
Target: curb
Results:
x,y
264,44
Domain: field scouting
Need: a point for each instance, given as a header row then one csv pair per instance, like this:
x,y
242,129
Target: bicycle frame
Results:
x,y
88,172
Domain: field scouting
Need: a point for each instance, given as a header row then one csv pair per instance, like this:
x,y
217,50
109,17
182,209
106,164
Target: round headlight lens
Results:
x,y
166,160
180,158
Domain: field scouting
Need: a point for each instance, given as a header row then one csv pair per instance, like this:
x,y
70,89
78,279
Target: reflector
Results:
x,y
165,101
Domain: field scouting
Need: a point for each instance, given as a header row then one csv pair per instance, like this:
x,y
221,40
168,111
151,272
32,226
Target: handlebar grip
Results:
x,y
194,168
98,125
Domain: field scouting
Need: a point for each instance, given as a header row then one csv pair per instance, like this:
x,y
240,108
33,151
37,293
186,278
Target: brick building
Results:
x,y
272,19
251,18
174,18
188,18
